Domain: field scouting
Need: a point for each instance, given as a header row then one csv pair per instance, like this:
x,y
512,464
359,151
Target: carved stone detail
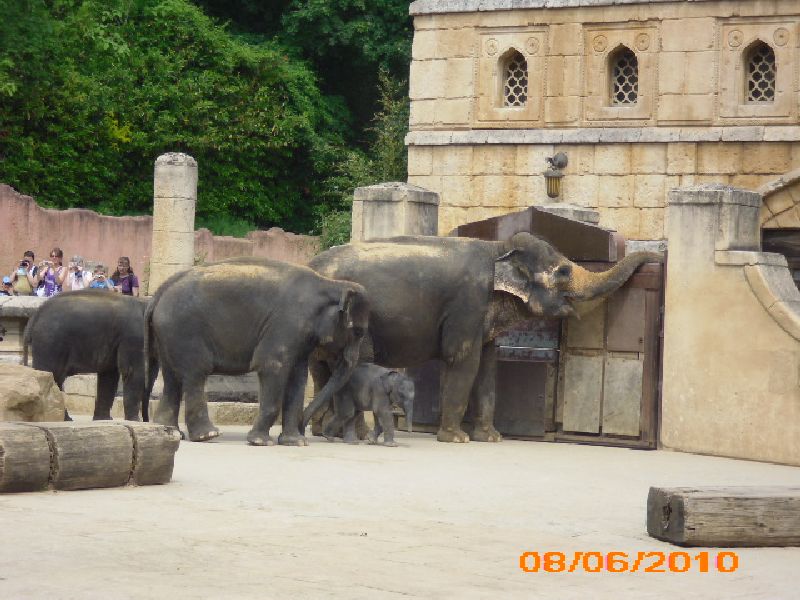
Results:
x,y
781,36
642,41
491,47
735,38
599,43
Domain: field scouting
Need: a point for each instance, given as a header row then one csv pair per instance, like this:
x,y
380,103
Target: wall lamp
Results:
x,y
553,175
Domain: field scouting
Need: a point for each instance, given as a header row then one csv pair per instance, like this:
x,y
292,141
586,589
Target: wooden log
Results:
x,y
24,458
154,452
93,454
725,516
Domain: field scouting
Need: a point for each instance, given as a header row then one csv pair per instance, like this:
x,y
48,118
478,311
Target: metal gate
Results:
x,y
593,380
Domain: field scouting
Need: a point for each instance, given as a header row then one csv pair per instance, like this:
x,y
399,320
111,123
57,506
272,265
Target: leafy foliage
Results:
x,y
92,91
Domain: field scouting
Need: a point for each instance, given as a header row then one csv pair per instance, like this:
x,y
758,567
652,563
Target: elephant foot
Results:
x,y
259,438
285,439
372,438
203,435
486,434
452,435
103,418
390,444
330,438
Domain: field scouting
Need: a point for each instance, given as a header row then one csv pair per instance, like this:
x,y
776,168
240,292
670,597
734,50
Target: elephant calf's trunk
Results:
x,y
587,285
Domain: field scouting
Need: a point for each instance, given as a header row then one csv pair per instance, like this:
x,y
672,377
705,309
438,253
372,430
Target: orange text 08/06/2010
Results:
x,y
629,562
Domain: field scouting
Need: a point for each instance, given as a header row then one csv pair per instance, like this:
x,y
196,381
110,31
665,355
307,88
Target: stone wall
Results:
x,y
689,125
731,383
27,226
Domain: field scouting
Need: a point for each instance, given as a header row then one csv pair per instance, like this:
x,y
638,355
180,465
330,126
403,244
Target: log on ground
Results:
x,y
24,458
746,516
154,447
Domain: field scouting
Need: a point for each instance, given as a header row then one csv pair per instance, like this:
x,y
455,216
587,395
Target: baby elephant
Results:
x,y
374,388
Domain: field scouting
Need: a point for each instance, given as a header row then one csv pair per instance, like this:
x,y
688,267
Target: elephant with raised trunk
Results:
x,y
248,314
448,298
90,331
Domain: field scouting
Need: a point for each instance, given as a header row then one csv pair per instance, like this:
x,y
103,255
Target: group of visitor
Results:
x,y
51,277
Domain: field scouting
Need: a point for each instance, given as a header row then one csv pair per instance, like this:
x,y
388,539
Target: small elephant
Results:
x,y
88,331
374,388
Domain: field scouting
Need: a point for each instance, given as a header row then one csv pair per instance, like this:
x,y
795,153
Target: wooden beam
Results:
x,y
725,516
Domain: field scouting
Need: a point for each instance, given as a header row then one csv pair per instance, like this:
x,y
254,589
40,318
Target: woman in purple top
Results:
x,y
51,274
123,278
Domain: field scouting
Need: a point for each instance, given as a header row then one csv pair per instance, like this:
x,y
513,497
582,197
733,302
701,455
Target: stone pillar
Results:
x,y
174,200
389,209
731,386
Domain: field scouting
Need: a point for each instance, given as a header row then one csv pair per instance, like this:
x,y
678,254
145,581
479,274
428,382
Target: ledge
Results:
x,y
437,7
610,135
741,258
20,306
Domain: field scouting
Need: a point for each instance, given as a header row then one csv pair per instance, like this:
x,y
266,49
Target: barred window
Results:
x,y
761,73
515,80
624,77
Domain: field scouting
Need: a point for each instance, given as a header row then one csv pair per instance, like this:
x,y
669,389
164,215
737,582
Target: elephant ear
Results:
x,y
507,278
387,379
346,307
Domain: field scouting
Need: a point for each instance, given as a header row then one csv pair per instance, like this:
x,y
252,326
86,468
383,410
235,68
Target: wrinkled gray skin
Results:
x,y
92,331
374,388
448,298
248,314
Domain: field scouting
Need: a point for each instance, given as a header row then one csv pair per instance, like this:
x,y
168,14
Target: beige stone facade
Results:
x,y
691,123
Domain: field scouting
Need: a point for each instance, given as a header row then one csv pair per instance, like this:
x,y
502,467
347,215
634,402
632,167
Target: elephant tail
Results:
x,y
26,338
148,345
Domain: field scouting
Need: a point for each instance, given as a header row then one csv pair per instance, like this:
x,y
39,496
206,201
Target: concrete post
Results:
x,y
389,209
174,200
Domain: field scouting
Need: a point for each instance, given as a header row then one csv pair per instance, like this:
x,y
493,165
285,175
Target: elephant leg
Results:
x,y
484,396
169,406
133,390
293,407
198,423
59,379
152,375
457,379
267,412
349,428
343,412
106,390
384,417
320,373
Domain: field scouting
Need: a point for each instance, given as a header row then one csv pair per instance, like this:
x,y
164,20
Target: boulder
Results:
x,y
29,395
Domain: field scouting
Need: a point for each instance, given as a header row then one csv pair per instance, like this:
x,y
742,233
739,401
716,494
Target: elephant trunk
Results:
x,y
408,408
585,285
344,368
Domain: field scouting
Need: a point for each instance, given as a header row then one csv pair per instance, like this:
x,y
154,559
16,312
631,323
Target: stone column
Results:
x,y
389,209
174,200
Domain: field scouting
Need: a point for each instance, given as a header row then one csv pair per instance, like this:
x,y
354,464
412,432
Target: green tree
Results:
x,y
91,92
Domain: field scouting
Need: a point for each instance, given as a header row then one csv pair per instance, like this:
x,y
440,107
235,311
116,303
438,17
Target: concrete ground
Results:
x,y
425,520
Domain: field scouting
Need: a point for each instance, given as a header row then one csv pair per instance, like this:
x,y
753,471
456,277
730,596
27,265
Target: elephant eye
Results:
x,y
564,271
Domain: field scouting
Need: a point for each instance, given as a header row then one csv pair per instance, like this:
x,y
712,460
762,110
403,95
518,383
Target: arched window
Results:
x,y
515,79
761,73
624,77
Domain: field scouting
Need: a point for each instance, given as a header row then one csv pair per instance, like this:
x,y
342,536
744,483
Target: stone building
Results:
x,y
641,96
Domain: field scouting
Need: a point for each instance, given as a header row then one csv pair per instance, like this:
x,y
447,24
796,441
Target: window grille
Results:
x,y
761,73
515,78
624,78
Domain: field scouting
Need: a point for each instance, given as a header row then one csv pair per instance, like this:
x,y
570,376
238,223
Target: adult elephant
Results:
x,y
243,315
91,331
447,298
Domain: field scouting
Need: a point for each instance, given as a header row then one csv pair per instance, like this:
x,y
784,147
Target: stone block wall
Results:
x,y
689,126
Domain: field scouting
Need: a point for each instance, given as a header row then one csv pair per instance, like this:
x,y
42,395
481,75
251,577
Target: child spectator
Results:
x,y
78,277
99,280
7,289
123,278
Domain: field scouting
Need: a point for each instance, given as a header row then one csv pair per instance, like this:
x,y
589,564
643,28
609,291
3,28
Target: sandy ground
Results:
x,y
425,520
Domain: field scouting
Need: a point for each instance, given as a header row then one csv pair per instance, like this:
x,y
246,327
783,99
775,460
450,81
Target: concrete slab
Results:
x,y
425,520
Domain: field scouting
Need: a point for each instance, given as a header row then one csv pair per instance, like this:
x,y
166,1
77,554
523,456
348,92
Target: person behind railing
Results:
x,y
23,277
8,288
123,278
100,280
51,275
79,278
